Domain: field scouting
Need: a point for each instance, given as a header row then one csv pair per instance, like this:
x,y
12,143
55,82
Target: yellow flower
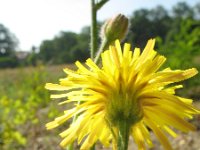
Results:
x,y
129,88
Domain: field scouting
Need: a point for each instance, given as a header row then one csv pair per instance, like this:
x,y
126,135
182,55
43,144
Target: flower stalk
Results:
x,y
104,45
123,135
70,147
94,32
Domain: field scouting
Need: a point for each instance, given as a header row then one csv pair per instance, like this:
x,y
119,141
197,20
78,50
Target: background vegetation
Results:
x,y
25,105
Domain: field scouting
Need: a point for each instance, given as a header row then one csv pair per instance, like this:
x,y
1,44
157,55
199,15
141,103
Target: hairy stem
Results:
x,y
123,135
70,147
104,45
93,31
100,4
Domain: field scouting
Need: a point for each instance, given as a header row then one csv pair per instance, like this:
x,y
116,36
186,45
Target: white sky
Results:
x,y
33,21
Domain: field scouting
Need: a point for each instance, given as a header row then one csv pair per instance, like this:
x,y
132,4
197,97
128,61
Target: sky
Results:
x,y
33,21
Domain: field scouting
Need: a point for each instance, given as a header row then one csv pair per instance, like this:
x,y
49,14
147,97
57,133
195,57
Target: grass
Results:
x,y
26,107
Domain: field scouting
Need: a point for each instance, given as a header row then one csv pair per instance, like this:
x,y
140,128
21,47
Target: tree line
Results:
x,y
177,32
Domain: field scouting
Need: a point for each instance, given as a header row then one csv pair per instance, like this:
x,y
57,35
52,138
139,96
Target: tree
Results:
x,y
8,42
182,10
63,44
67,47
147,24
197,11
32,57
8,45
81,50
46,51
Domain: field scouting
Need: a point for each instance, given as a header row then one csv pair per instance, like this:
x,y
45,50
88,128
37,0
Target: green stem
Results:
x,y
93,31
104,46
100,4
123,137
93,35
70,147
93,147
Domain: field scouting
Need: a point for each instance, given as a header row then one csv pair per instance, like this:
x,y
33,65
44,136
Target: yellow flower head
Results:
x,y
127,87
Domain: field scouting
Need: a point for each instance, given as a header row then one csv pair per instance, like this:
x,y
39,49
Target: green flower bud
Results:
x,y
115,28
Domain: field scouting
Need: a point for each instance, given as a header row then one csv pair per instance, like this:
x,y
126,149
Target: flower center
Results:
x,y
123,107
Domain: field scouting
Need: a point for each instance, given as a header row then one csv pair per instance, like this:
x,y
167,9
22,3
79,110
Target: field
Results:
x,y
25,108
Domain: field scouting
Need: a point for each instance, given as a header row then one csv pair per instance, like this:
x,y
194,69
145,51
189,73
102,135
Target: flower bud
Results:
x,y
115,28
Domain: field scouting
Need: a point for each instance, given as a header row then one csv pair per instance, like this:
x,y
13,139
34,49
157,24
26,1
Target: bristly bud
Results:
x,y
115,28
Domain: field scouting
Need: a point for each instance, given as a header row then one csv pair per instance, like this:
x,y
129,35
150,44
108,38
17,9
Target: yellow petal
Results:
x,y
56,87
159,134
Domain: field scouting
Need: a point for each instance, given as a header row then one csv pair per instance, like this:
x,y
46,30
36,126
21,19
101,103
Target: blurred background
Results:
x,y
38,38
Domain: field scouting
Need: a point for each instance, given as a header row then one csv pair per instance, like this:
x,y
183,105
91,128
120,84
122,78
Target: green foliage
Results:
x,y
183,10
22,99
182,49
182,44
8,42
147,24
13,115
8,62
65,48
32,57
